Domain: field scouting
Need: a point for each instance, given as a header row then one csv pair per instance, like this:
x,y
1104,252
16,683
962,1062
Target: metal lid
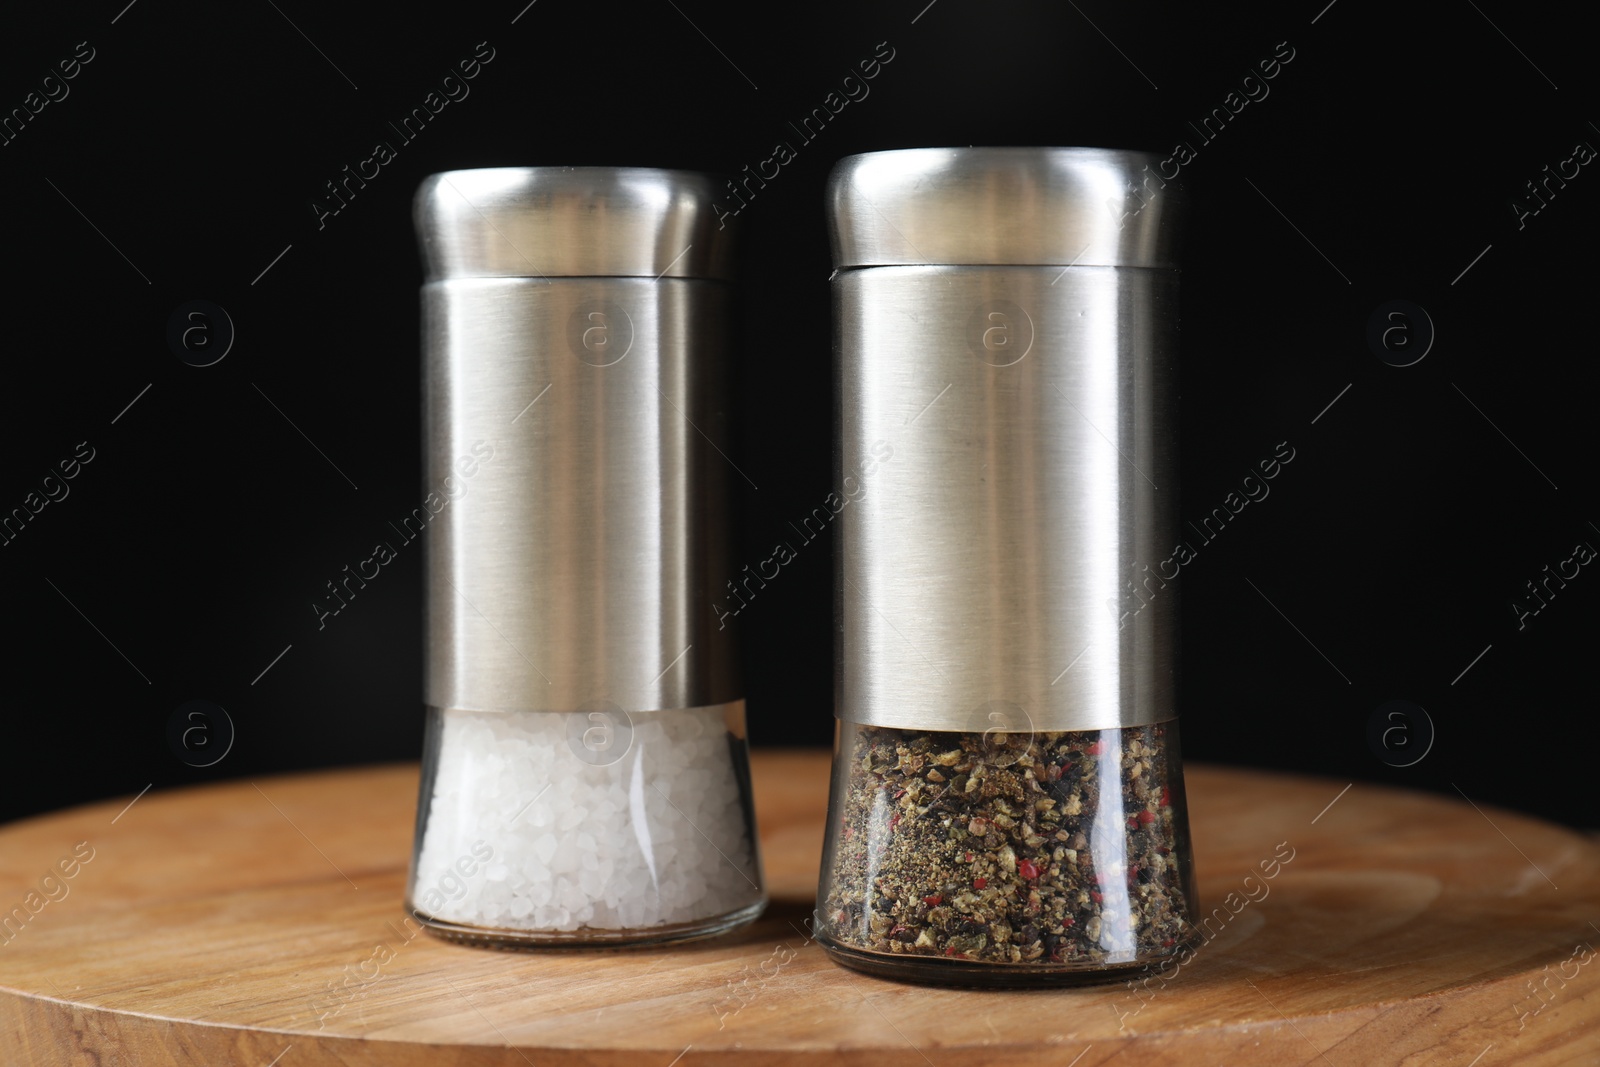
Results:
x,y
1006,206
554,222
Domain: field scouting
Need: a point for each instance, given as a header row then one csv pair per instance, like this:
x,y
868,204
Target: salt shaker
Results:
x,y
585,771
1007,802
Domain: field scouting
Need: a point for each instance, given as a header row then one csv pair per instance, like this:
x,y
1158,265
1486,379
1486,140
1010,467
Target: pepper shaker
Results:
x,y
1007,802
585,771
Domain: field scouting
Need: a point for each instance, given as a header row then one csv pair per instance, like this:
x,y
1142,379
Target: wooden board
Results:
x,y
210,922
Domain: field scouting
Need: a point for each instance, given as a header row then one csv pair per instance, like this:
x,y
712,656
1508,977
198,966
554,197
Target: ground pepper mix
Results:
x,y
1005,847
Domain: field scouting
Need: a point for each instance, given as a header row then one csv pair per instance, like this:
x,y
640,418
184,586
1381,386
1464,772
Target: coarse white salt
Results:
x,y
523,834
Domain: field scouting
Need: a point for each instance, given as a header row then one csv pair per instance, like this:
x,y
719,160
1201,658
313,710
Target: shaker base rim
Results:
x,y
588,938
953,973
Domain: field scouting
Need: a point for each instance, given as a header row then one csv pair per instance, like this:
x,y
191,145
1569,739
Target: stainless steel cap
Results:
x,y
1007,429
576,522
1003,206
554,222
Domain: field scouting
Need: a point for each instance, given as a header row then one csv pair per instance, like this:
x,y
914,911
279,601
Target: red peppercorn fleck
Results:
x,y
1097,897
1168,943
1028,869
980,883
933,901
969,857
1166,796
1147,817
1095,749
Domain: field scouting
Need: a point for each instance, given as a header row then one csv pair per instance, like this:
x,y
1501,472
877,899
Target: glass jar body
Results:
x,y
590,826
1006,858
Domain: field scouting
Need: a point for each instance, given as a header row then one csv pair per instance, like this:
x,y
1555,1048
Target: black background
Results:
x,y
1383,162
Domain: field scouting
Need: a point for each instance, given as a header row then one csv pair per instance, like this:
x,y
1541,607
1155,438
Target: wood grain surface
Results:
x,y
257,923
